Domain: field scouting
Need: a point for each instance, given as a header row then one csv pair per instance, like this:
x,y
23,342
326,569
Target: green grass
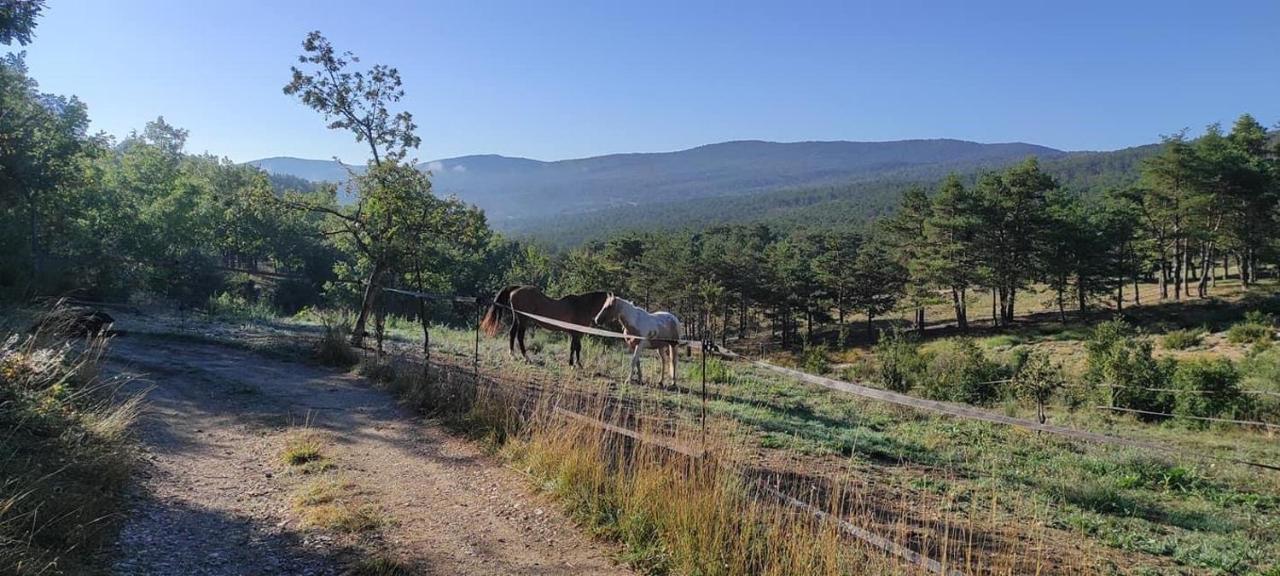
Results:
x,y
1183,339
303,452
1158,508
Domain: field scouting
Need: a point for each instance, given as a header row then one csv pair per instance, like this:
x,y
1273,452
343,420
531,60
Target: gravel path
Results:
x,y
213,499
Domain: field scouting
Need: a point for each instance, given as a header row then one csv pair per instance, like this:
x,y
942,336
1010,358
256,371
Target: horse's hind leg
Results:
x,y
520,339
662,370
511,336
671,351
575,349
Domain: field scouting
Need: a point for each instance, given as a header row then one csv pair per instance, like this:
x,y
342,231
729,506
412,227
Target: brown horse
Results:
x,y
580,309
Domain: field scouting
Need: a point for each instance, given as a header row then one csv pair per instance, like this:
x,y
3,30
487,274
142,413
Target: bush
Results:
x,y
1183,339
233,306
814,359
899,362
718,371
66,460
1119,360
1260,371
957,370
1210,388
333,348
1037,378
1257,328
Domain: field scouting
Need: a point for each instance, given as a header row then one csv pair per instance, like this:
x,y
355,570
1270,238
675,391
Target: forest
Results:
x,y
142,220
917,285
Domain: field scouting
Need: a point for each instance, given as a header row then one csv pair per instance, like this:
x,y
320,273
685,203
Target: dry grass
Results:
x,y
379,565
330,502
65,460
672,513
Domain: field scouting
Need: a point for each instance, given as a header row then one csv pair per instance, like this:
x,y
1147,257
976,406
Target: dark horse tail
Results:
x,y
492,320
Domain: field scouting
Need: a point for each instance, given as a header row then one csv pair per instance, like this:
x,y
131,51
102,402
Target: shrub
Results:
x,y
718,371
236,307
958,370
1260,371
1183,339
1256,328
899,362
1210,387
814,359
1119,360
333,348
1037,378
66,460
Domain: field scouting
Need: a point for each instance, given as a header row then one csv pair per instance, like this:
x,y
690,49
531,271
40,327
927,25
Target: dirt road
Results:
x,y
213,497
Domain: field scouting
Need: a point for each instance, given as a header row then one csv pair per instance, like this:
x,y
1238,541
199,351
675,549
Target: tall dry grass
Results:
x,y
65,458
669,511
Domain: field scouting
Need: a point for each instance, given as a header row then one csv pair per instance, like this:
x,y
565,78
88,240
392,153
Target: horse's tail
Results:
x,y
492,320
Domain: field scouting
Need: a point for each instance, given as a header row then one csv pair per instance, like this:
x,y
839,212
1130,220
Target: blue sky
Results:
x,y
554,80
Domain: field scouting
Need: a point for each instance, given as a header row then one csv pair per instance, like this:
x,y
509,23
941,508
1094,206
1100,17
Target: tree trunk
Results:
x,y
426,337
1206,260
371,291
1163,279
1081,301
957,302
1177,270
33,222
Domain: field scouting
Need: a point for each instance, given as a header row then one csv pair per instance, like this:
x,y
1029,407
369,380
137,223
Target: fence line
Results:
x,y
1187,417
947,408
864,535
1175,390
669,444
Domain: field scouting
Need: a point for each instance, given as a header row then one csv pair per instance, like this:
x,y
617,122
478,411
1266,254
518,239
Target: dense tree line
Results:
x,y
141,217
1198,210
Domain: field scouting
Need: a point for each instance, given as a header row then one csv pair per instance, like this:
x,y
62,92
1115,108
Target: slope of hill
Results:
x,y
849,204
515,189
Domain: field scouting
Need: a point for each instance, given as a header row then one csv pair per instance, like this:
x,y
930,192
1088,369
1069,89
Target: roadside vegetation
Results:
x,y
929,482
65,458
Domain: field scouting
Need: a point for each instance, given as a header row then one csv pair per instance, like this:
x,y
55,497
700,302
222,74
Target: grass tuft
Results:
x,y
379,565
304,451
1184,339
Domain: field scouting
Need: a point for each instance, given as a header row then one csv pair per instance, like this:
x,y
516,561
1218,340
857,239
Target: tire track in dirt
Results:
x,y
213,500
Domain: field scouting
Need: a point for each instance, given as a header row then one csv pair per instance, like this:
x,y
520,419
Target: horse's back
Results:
x,y
668,325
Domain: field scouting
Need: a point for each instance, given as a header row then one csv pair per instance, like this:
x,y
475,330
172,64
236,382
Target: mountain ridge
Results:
x,y
513,188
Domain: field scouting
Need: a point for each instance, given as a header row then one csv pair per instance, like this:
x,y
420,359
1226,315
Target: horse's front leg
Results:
x,y
635,374
575,349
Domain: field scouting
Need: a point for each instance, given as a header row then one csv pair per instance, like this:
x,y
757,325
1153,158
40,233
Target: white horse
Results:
x,y
659,330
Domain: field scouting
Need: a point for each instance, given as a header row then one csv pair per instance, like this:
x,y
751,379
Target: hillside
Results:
x,y
514,189
844,204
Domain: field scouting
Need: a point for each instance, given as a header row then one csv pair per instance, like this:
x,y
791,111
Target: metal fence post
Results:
x,y
475,359
704,393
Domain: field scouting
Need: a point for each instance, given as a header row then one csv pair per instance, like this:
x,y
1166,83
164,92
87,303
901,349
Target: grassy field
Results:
x,y
982,497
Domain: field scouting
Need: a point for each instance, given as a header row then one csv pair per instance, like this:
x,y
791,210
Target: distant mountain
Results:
x,y
512,190
313,170
845,205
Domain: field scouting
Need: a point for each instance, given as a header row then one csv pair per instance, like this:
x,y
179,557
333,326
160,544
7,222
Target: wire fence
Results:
x,y
964,411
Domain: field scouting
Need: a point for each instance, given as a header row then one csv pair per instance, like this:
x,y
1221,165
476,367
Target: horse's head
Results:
x,y
607,311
